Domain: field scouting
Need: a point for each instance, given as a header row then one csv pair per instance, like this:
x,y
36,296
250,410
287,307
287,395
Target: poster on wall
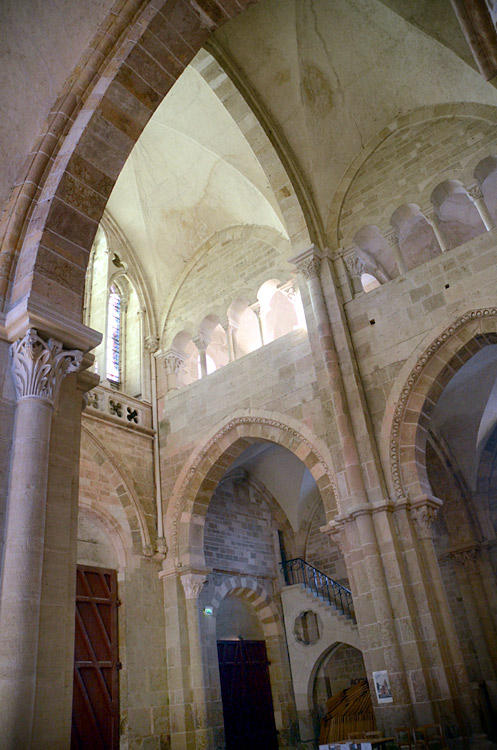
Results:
x,y
382,687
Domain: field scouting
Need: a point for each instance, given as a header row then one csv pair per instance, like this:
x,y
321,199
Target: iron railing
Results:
x,y
319,584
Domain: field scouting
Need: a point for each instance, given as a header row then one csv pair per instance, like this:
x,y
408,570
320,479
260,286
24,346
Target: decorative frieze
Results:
x,y
39,366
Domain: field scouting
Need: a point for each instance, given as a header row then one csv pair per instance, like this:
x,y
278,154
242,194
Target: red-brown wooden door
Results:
x,y
95,711
246,694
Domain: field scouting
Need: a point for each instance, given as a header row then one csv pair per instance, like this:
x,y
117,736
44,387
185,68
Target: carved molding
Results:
x,y
39,366
193,584
355,264
467,557
413,378
231,425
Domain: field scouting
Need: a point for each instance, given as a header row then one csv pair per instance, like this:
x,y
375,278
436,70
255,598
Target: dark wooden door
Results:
x,y
246,694
95,711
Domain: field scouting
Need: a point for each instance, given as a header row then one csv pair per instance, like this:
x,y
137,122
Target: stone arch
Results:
x,y
466,110
198,479
54,213
253,592
408,417
140,534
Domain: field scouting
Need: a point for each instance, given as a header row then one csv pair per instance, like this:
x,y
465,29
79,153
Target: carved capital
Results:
x,y
393,240
475,193
39,366
355,264
151,344
423,517
310,268
173,362
193,584
201,342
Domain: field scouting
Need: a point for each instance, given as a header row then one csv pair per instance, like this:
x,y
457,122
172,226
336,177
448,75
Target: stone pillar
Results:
x,y
38,367
476,196
309,264
478,601
173,362
422,515
178,662
393,241
432,219
355,267
192,585
201,343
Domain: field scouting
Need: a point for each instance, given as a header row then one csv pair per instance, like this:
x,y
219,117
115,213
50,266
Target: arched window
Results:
x,y
114,335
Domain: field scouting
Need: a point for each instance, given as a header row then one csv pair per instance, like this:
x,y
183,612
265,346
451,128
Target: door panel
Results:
x,y
246,694
95,713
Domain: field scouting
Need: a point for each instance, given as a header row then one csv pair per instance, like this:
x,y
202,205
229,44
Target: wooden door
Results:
x,y
95,712
246,694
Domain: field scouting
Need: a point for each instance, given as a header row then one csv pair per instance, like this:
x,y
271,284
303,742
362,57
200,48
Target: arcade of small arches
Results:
x,y
455,215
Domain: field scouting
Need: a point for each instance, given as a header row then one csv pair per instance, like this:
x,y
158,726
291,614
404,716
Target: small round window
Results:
x,y
307,630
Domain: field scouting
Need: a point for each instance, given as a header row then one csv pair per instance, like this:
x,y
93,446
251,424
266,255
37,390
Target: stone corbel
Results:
x,y
466,556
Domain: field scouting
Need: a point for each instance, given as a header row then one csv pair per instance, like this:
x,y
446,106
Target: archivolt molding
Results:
x,y
147,548
252,591
409,387
181,491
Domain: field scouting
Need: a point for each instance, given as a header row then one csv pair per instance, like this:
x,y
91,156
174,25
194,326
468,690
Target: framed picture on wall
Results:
x,y
382,687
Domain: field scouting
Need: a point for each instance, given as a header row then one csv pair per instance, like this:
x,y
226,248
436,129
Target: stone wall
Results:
x,y
238,533
390,323
321,552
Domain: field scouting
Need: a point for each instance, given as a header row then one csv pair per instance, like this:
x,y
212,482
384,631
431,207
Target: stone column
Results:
x,y
476,196
309,264
260,313
38,369
229,339
201,343
192,585
173,362
432,219
393,241
355,267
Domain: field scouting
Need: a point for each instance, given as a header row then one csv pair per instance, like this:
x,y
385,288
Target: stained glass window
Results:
x,y
114,336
